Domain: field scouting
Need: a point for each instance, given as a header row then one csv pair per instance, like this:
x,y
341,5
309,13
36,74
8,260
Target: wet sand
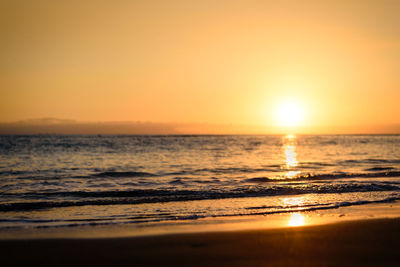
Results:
x,y
362,243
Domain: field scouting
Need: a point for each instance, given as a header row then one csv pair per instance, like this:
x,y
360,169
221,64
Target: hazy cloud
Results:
x,y
63,126
59,126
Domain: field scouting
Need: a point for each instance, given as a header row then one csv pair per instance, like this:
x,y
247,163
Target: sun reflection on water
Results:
x,y
290,155
292,174
293,201
297,219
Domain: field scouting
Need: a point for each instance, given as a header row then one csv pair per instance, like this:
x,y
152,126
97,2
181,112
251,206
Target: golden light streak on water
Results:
x,y
297,219
290,155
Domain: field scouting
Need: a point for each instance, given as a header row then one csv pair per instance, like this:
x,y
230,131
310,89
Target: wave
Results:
x,y
165,217
230,170
350,175
316,177
162,196
371,160
309,170
124,174
370,172
325,206
380,169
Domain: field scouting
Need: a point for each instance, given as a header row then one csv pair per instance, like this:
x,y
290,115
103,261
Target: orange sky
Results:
x,y
214,62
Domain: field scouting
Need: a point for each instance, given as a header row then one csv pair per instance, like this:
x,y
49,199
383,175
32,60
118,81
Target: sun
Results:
x,y
289,113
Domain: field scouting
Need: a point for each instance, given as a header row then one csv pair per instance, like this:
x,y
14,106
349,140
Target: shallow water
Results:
x,y
53,181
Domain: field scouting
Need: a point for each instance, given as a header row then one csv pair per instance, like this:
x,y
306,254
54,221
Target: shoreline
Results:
x,y
369,242
210,225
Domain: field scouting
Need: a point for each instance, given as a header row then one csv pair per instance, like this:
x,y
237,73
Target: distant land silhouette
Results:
x,y
63,126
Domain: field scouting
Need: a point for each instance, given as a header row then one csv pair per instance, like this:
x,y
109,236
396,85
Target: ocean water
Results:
x,y
63,181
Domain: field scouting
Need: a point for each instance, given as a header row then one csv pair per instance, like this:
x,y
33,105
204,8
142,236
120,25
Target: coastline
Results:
x,y
363,243
388,210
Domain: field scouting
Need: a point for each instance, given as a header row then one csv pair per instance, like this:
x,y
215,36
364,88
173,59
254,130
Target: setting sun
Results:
x,y
289,114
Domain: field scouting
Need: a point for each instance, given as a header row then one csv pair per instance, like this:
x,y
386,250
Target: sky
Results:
x,y
227,65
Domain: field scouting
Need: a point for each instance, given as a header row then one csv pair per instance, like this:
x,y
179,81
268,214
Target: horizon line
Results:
x,y
54,126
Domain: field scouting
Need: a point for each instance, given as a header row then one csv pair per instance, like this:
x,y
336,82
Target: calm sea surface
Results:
x,y
54,181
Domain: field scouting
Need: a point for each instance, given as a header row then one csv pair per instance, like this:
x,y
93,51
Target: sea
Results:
x,y
53,181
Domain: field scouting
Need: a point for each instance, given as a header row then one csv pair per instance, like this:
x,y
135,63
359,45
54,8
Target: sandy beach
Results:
x,y
362,243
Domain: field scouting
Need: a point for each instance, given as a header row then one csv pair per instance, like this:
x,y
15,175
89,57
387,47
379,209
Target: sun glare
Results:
x,y
289,114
